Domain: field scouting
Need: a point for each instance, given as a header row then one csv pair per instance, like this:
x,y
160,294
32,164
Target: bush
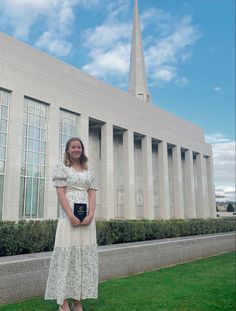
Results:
x,y
38,236
121,231
26,237
230,208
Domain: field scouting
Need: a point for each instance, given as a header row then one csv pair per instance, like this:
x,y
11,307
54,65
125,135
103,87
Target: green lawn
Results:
x,y
206,284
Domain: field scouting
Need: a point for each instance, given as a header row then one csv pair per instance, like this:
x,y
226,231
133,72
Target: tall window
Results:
x,y
68,128
4,108
32,183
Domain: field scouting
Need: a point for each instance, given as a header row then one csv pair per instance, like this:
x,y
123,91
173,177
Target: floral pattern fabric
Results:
x,y
73,270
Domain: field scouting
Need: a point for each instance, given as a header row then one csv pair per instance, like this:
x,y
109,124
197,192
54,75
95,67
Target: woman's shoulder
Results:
x,y
60,167
59,175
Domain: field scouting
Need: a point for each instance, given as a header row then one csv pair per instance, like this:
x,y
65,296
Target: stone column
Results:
x,y
84,132
202,208
190,211
107,176
147,177
129,177
211,188
178,183
163,177
10,209
51,201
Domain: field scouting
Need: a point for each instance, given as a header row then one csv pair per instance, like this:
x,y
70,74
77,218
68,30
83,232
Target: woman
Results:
x,y
73,270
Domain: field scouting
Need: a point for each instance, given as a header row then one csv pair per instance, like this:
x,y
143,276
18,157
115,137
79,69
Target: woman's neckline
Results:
x,y
78,171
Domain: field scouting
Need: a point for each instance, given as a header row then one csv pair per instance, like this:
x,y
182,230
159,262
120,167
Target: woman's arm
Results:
x,y
92,205
61,194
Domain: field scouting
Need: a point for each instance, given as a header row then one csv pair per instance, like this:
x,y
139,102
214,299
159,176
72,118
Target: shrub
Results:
x,y
38,236
122,231
26,237
230,208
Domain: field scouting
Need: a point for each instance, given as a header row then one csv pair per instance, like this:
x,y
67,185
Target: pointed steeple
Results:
x,y
137,76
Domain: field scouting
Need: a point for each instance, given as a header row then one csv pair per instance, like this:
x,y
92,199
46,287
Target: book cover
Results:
x,y
80,210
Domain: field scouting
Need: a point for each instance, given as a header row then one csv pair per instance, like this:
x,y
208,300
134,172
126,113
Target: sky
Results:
x,y
189,48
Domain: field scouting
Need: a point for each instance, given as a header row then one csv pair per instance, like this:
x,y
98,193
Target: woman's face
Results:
x,y
75,150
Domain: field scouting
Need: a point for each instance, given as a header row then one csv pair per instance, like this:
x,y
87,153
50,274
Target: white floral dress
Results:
x,y
73,270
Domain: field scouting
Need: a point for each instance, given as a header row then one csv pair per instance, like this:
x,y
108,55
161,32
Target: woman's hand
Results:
x,y
87,220
74,221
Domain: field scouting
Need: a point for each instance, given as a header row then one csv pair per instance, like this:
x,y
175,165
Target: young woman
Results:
x,y
73,270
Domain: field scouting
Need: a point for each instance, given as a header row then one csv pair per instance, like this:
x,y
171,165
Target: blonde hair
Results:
x,y
83,158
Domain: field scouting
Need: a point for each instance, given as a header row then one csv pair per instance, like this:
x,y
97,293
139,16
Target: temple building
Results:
x,y
148,163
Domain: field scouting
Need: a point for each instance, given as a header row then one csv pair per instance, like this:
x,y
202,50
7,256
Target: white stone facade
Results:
x,y
148,163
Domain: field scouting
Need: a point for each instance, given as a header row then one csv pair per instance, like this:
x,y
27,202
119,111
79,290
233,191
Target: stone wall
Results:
x,y
25,276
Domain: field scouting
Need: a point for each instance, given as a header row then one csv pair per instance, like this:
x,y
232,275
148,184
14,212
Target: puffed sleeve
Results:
x,y
92,185
59,175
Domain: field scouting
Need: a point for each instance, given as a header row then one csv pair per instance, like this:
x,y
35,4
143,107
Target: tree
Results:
x,y
230,208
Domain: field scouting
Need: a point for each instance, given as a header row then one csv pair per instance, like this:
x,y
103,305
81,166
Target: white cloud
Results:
x,y
171,50
224,164
165,73
56,19
218,89
110,63
228,193
20,15
104,36
115,7
182,81
163,53
160,20
109,48
216,138
88,4
55,46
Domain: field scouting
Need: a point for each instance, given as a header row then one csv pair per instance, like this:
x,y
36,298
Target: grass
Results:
x,y
206,284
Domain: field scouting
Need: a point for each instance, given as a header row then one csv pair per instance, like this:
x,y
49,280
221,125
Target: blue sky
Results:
x,y
189,50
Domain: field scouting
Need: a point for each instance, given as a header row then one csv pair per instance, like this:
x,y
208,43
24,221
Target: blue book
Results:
x,y
80,210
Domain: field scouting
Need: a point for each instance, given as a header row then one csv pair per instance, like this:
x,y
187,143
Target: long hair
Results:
x,y
83,160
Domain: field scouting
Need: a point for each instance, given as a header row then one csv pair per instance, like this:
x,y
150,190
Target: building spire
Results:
x,y
137,76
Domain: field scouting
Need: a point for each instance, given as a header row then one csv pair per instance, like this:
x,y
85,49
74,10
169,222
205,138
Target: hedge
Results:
x,y
38,236
26,237
117,231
